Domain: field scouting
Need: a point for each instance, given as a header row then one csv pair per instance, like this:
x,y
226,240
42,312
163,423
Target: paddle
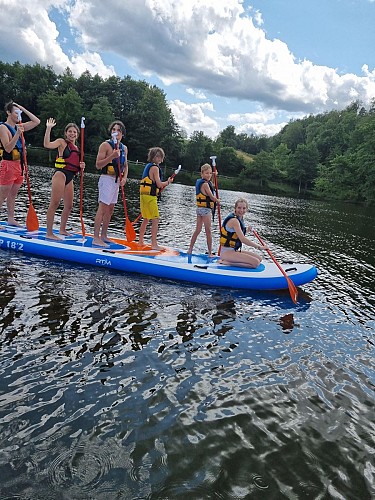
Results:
x,y
292,287
213,159
81,178
173,176
32,223
130,233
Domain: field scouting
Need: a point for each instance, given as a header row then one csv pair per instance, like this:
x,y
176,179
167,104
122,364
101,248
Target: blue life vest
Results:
x,y
16,153
148,186
230,238
112,168
202,200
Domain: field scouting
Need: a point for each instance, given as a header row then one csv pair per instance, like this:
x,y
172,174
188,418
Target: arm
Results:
x,y
34,120
154,175
105,155
47,143
7,140
207,191
234,224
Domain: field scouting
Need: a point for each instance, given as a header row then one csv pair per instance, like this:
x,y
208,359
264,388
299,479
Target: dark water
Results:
x,y
128,387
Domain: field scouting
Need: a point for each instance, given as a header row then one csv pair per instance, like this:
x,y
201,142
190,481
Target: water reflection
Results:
x,y
124,386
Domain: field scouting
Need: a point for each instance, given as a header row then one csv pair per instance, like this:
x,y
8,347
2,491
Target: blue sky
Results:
x,y
251,64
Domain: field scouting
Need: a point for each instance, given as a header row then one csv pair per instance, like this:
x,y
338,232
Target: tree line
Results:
x,y
329,155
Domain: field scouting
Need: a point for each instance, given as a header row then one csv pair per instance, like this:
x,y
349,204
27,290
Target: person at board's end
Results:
x,y
205,202
150,188
232,237
12,155
112,161
67,166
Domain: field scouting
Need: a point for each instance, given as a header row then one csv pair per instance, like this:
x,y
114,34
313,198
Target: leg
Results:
x,y
107,216
68,205
207,228
4,192
154,234
97,224
57,192
142,231
240,259
11,203
198,229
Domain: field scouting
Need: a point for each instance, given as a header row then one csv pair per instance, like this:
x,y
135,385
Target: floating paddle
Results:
x,y
81,178
213,159
292,287
130,233
32,223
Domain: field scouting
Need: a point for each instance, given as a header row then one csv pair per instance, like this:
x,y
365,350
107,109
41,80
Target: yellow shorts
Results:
x,y
149,207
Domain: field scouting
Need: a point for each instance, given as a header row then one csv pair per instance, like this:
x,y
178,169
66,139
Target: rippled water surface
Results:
x,y
120,386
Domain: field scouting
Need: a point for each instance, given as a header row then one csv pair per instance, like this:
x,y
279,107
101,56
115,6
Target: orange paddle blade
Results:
x,y
131,235
32,223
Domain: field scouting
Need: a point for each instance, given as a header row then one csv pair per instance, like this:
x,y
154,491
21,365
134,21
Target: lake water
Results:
x,y
118,386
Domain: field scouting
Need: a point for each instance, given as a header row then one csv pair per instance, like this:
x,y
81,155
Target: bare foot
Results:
x,y
53,237
106,240
97,242
65,232
156,247
13,222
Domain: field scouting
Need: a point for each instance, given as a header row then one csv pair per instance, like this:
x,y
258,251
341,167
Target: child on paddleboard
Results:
x,y
205,201
112,161
12,155
232,236
67,166
150,188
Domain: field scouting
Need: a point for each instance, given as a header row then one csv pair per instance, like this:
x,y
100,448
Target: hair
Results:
x,y
8,108
205,167
241,200
153,152
120,124
71,125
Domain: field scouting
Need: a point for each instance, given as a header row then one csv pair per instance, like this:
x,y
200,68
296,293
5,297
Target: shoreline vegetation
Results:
x,y
327,156
46,158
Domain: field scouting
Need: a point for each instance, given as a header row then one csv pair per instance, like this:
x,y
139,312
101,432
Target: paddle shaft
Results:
x,y
292,287
32,222
213,159
81,174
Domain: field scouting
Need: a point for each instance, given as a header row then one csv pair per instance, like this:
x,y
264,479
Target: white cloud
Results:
x,y
196,93
214,48
192,117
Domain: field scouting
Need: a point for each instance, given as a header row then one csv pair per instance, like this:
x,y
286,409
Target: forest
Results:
x,y
329,155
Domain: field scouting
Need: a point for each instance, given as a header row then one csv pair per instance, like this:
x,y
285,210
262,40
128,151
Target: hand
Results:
x,y
170,179
123,181
82,165
20,128
115,153
51,122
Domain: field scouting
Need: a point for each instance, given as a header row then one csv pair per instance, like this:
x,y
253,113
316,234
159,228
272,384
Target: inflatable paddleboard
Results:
x,y
169,263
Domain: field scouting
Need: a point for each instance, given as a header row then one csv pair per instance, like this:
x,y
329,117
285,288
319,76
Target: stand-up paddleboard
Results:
x,y
169,263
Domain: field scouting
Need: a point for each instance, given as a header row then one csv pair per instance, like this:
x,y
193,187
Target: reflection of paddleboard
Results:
x,y
167,263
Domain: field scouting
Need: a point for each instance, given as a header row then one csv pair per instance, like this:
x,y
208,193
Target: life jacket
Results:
x,y
202,200
16,153
112,167
69,159
230,238
148,186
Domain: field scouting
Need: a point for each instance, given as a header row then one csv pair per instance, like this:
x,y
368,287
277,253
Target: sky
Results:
x,y
254,65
